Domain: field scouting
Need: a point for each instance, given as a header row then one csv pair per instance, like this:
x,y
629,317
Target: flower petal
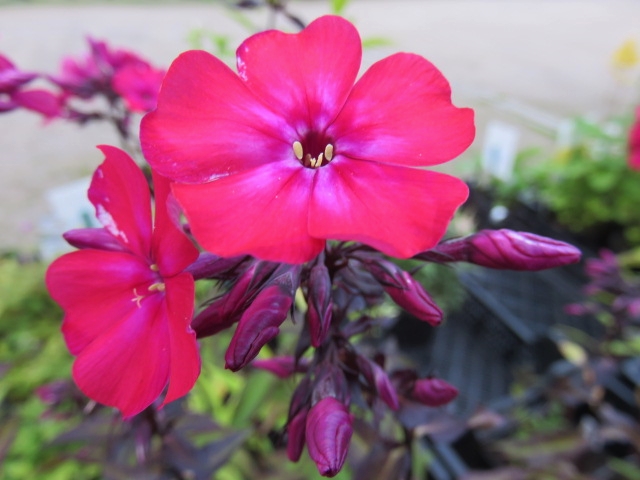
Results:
x,y
121,196
400,112
262,212
306,76
128,367
185,358
400,211
208,124
96,289
172,249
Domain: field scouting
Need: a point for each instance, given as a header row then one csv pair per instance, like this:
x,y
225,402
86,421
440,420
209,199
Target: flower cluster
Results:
x,y
15,94
299,181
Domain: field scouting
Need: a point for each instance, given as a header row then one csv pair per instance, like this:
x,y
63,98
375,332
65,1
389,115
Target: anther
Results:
x,y
154,267
157,286
328,152
297,150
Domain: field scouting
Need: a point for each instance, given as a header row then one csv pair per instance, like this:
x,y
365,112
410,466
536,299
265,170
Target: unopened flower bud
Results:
x,y
282,367
378,379
226,310
328,434
406,291
320,305
295,435
259,323
330,382
98,238
433,392
209,265
509,250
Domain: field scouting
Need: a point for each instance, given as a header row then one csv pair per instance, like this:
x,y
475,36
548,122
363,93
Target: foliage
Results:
x,y
580,419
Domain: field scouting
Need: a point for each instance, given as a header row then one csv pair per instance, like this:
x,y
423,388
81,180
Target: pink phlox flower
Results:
x,y
139,85
292,151
96,73
14,94
634,143
128,302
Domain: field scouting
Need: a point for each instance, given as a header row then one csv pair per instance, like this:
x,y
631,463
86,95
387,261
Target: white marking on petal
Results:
x,y
109,223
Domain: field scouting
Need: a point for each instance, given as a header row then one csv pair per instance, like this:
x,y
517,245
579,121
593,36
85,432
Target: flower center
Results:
x,y
313,152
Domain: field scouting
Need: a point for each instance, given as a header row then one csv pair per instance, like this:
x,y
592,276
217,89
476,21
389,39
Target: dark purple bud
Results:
x,y
259,324
509,250
295,435
406,291
97,238
379,380
328,434
300,398
433,392
209,265
282,367
330,382
226,310
320,305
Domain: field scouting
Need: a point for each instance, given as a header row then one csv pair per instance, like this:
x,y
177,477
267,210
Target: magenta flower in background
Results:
x,y
127,302
13,93
289,152
139,85
111,72
634,143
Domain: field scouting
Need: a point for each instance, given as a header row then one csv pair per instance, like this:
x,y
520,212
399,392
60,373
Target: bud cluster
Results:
x,y
340,287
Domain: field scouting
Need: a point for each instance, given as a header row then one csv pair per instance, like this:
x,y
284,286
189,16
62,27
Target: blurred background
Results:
x,y
529,64
546,362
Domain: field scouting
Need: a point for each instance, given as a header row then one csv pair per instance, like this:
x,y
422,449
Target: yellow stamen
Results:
x,y
297,150
154,267
328,152
157,286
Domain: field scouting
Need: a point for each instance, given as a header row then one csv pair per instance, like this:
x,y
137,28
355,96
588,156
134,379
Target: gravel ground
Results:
x,y
551,55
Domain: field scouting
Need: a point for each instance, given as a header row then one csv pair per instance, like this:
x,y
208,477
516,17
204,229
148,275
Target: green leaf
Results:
x,y
338,6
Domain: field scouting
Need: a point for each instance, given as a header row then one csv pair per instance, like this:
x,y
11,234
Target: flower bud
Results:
x,y
378,379
328,434
406,291
282,367
97,238
330,381
226,310
509,250
209,265
320,305
433,392
259,324
295,435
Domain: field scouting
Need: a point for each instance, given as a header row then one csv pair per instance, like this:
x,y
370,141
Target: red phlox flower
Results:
x,y
128,304
634,143
292,151
13,94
